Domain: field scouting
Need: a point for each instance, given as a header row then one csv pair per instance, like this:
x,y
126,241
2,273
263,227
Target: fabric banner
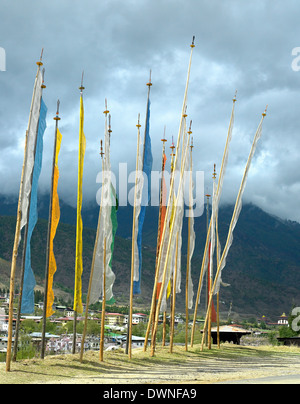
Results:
x,y
55,216
163,210
107,227
146,193
176,220
79,226
238,207
217,195
192,237
29,283
30,148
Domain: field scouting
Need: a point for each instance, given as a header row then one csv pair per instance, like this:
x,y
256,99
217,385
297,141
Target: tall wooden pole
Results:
x,y
172,147
159,233
128,341
234,215
168,248
92,266
188,252
17,233
129,337
170,195
15,351
210,263
207,277
221,176
174,297
218,294
103,305
81,88
153,304
56,118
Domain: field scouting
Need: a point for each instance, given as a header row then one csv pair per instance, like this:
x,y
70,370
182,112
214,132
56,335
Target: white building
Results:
x,y
136,318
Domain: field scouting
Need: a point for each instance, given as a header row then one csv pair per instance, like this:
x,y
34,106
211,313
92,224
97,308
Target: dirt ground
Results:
x,y
229,364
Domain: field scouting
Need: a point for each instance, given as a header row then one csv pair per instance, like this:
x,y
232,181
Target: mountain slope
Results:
x,y
263,266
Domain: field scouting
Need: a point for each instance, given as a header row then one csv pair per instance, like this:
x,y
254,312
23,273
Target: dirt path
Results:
x,y
231,363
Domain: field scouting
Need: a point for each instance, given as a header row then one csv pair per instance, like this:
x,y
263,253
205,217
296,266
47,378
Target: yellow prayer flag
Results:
x,y
78,259
55,216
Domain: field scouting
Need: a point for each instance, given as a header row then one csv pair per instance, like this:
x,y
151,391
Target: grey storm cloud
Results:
x,y
243,46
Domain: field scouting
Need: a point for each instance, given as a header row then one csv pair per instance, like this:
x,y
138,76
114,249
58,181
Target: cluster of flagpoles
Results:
x,y
167,275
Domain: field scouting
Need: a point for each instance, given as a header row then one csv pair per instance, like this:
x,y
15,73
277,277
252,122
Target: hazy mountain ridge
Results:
x,y
262,267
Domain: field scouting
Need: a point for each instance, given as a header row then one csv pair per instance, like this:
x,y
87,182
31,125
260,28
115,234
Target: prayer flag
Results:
x,y
29,283
79,226
55,216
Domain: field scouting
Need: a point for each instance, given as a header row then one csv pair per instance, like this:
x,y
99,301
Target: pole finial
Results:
x,y
43,76
57,118
81,88
215,172
164,138
193,42
234,98
40,63
106,109
149,84
109,124
265,111
138,124
101,149
192,143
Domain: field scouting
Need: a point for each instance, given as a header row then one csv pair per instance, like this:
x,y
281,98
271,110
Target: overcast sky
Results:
x,y
240,45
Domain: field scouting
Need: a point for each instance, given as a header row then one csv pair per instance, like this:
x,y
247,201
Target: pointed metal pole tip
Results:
x,y
81,87
265,111
235,94
57,118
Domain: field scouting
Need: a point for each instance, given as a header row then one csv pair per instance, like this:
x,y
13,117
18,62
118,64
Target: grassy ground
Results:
x,y
229,363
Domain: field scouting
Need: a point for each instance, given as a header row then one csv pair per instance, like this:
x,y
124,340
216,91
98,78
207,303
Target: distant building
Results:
x,y
283,320
114,318
136,318
229,333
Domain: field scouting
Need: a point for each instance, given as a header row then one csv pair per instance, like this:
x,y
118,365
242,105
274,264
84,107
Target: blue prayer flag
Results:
x,y
29,280
147,168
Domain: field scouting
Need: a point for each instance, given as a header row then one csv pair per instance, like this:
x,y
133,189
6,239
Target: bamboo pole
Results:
x,y
153,304
210,262
199,291
160,235
188,254
103,304
15,351
159,232
232,224
149,84
218,320
221,175
207,280
129,337
168,249
81,88
56,118
174,297
17,234
93,265
218,294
